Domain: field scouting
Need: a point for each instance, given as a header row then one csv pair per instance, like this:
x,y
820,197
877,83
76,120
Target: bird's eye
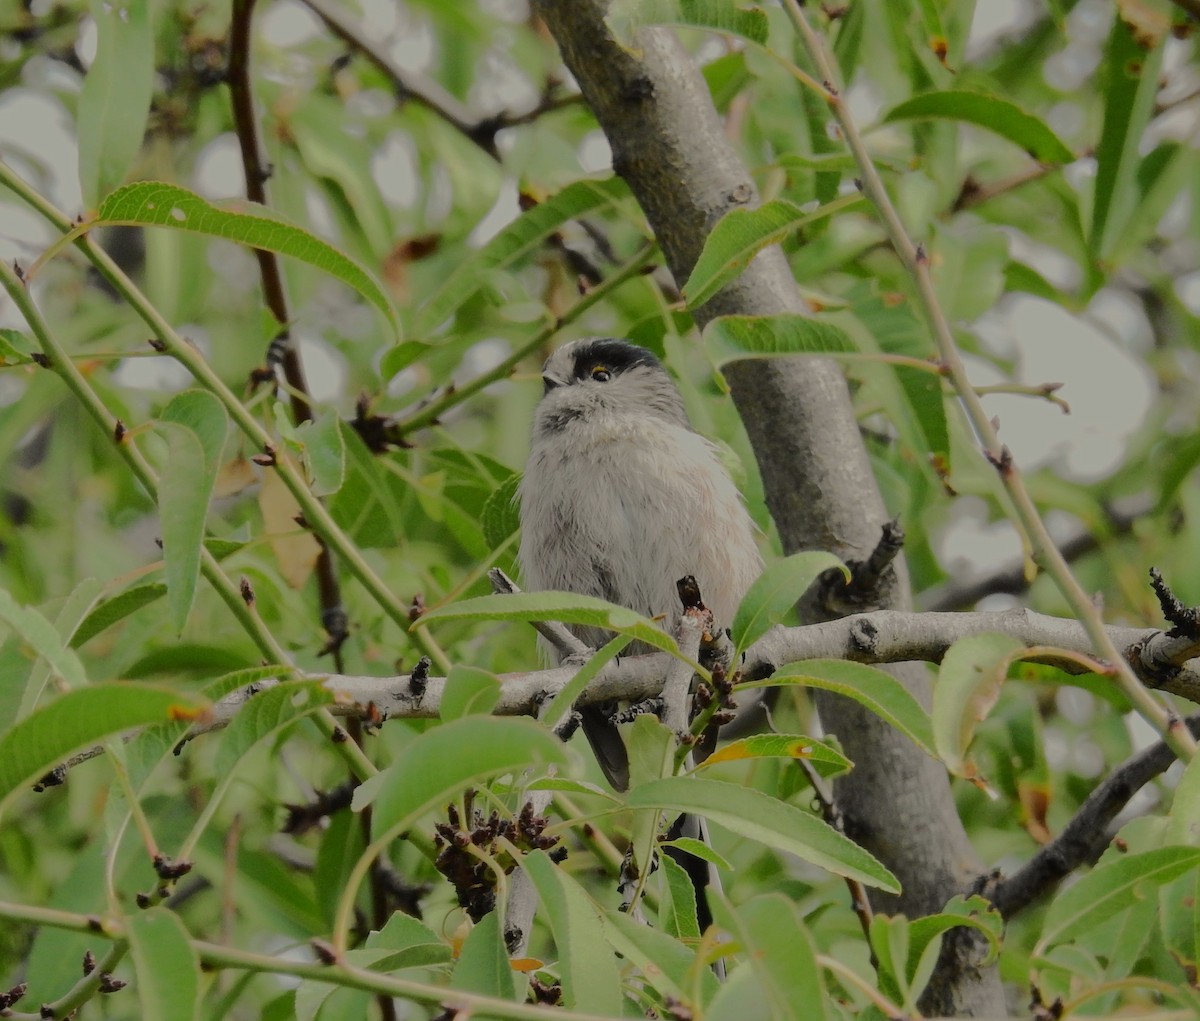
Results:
x,y
600,374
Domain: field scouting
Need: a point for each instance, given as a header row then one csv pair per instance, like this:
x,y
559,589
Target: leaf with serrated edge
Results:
x,y
871,687
82,717
757,816
155,204
785,334
434,766
1112,887
167,967
1001,116
585,960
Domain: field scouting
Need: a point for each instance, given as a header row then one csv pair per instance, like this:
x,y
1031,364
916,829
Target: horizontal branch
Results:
x,y
884,636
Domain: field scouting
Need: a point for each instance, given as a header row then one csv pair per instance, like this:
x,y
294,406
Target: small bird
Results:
x,y
622,498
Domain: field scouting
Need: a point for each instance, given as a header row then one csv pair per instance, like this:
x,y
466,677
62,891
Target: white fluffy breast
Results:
x,y
622,507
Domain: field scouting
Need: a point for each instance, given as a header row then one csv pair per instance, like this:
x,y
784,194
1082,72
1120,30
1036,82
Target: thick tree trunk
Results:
x,y
668,144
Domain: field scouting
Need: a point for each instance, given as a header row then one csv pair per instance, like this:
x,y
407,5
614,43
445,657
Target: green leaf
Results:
x,y
775,592
82,717
663,962
969,682
562,702
872,688
827,760
567,607
16,348
757,816
398,358
436,765
781,952
501,517
482,965
586,963
1131,74
365,506
677,903
70,612
155,204
167,966
742,233
998,115
116,609
42,638
625,17
324,453
1111,887
785,334
514,242
115,99
699,849
469,691
267,712
924,937
195,424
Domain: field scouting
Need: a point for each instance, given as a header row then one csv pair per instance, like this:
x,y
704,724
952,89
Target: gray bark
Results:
x,y
668,144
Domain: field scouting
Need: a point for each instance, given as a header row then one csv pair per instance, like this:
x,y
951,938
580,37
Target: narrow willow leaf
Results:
x,y
626,16
115,99
780,952
677,904
1111,887
71,611
482,965
784,334
15,348
182,507
514,242
42,637
826,760
663,962
436,765
562,702
757,816
586,962
112,611
82,717
775,592
699,849
1001,116
195,424
166,964
742,233
155,204
266,713
869,686
469,690
1131,73
567,607
968,684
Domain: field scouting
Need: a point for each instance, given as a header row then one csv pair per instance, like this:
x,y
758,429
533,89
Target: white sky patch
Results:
x,y
1109,390
394,170
218,172
505,209
288,24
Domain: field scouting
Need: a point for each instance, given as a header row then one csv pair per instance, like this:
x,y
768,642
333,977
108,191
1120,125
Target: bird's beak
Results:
x,y
549,383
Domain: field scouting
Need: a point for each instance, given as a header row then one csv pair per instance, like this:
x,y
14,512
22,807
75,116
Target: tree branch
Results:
x,y
1084,838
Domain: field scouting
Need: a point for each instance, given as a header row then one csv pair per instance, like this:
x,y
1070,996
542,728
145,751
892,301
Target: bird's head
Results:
x,y
605,376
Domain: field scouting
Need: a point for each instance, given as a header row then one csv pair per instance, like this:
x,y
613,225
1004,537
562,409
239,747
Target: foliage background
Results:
x,y
412,197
